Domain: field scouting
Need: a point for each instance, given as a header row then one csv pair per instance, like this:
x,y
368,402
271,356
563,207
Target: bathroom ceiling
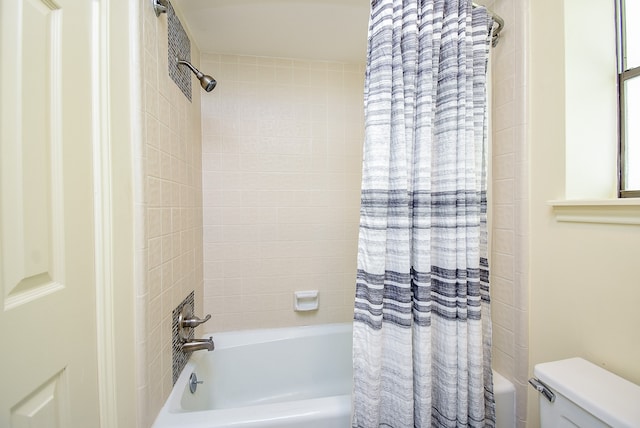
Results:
x,y
332,30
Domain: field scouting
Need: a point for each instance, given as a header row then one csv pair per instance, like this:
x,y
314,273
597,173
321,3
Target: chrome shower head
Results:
x,y
207,82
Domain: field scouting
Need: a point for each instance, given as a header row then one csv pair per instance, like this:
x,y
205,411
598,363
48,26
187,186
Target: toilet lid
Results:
x,y
610,398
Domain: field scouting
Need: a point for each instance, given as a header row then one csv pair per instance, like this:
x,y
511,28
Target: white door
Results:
x,y
48,368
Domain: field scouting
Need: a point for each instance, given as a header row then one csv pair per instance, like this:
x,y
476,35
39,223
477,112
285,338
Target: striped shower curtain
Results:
x,y
422,332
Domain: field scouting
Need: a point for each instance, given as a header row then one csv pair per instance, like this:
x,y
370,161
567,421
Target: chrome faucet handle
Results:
x,y
194,321
186,320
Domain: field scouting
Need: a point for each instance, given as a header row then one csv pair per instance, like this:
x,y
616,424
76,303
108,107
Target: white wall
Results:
x,y
584,284
282,150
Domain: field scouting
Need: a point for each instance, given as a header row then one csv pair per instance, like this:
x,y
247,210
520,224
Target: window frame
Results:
x,y
624,75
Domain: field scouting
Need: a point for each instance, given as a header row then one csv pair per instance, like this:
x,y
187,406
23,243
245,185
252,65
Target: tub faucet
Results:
x,y
198,344
187,322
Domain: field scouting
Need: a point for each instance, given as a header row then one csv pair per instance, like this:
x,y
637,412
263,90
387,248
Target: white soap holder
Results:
x,y
304,301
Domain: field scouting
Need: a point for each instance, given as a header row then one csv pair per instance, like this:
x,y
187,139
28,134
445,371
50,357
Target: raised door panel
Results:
x,y
32,193
47,281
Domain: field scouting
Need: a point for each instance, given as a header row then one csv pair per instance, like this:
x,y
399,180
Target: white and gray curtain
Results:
x,y
422,332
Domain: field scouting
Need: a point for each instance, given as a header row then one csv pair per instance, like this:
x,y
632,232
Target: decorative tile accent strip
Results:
x,y
179,47
179,358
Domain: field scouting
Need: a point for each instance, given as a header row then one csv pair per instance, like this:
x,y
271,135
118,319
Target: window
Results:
x,y
629,96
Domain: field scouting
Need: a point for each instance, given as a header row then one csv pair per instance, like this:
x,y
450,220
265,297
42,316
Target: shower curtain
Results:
x,y
422,332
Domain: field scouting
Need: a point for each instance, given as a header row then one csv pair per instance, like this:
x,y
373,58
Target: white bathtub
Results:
x,y
279,378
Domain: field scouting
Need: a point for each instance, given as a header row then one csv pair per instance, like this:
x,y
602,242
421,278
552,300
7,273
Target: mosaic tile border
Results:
x,y
179,47
179,358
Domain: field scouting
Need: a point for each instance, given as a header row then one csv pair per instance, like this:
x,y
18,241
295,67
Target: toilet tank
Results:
x,y
585,395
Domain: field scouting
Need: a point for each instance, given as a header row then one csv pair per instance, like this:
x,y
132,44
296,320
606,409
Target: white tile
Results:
x,y
502,290
503,241
503,216
503,265
503,339
503,316
503,191
504,166
503,363
504,141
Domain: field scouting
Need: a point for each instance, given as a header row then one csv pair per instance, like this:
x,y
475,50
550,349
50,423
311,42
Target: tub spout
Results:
x,y
198,344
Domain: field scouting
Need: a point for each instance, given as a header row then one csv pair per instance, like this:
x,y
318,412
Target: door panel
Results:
x,y
45,407
47,283
31,187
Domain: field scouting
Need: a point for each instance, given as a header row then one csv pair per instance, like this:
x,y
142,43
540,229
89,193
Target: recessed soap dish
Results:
x,y
304,301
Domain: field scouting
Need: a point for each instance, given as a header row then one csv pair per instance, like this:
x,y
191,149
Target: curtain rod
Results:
x,y
497,19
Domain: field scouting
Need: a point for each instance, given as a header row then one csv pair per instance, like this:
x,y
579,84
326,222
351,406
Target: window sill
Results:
x,y
607,211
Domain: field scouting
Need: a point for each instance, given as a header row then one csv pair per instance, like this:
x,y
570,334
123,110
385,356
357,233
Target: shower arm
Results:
x,y
197,72
207,82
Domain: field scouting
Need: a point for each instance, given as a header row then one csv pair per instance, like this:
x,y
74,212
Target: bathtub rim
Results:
x,y
301,410
235,338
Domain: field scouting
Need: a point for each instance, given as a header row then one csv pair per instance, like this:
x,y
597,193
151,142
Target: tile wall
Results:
x,y
510,195
282,154
168,212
